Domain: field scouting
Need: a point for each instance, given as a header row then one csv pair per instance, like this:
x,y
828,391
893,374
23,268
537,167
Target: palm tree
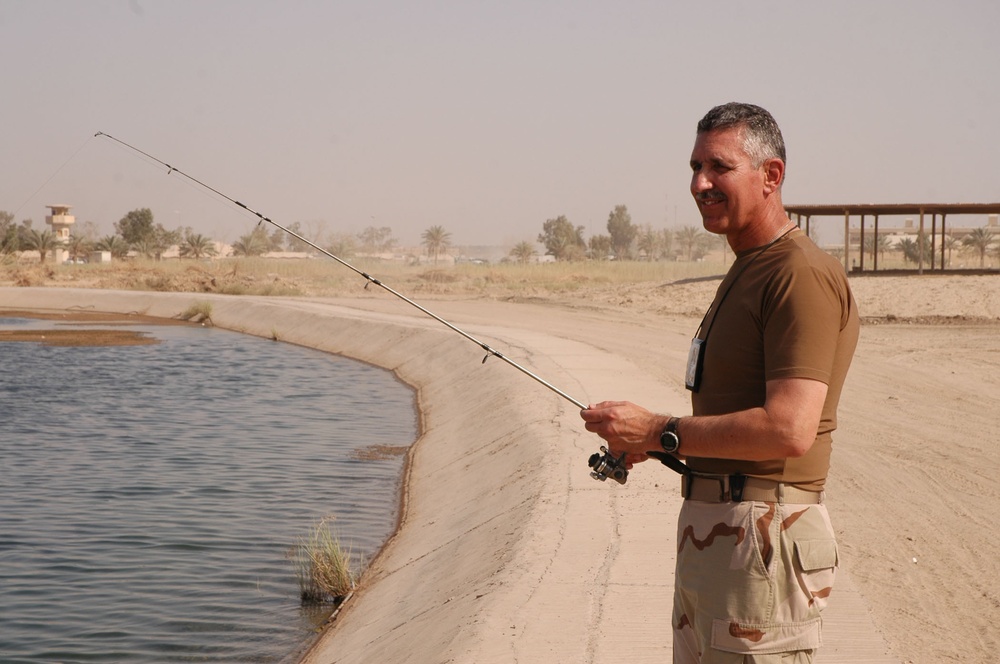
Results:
x,y
43,242
114,244
649,242
196,245
523,252
979,240
436,239
693,240
877,244
145,247
951,242
253,243
911,250
77,246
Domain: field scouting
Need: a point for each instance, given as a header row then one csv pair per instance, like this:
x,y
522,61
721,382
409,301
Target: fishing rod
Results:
x,y
603,464
370,279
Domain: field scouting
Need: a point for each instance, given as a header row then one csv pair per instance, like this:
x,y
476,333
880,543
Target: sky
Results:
x,y
484,117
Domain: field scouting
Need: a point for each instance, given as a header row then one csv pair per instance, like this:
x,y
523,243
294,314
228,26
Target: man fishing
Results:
x,y
756,552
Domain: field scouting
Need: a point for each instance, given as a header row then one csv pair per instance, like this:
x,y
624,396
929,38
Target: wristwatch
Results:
x,y
670,440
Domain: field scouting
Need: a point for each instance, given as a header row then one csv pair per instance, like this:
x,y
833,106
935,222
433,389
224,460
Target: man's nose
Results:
x,y
699,182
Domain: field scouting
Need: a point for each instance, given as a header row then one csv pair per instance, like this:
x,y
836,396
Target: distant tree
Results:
x,y
562,239
156,242
342,245
41,241
599,247
622,232
910,249
876,244
136,226
276,240
9,236
654,244
377,240
196,245
523,252
115,244
979,240
295,244
164,239
145,247
436,239
78,246
666,244
950,244
694,241
254,243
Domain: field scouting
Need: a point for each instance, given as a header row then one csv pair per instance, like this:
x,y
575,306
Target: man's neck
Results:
x,y
773,224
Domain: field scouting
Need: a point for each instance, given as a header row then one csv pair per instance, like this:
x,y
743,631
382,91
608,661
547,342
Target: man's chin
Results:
x,y
714,223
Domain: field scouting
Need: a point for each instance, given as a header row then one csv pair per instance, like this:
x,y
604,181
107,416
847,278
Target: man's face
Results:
x,y
729,191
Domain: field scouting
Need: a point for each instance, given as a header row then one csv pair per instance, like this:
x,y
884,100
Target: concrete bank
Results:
x,y
507,551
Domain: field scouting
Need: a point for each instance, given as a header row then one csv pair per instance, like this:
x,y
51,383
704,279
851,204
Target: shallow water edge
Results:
x,y
488,464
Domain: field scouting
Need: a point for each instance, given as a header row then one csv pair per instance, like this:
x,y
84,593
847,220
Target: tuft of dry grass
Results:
x,y
199,312
323,565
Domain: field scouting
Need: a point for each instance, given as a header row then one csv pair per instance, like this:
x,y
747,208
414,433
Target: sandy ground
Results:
x,y
509,552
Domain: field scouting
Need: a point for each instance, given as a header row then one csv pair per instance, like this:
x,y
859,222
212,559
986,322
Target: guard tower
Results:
x,y
60,220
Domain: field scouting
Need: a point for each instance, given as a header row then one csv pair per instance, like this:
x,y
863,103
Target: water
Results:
x,y
149,495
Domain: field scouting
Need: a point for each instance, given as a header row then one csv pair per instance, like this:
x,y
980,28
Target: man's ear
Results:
x,y
774,175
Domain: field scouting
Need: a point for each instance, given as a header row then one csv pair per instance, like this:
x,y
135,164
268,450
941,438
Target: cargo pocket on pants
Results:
x,y
750,638
816,562
804,589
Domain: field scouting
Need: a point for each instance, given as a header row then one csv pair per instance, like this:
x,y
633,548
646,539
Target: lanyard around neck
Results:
x,y
718,305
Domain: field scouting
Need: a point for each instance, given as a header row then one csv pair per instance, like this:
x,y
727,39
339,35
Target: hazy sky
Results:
x,y
484,117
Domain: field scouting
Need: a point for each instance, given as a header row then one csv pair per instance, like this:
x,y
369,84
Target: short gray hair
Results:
x,y
762,139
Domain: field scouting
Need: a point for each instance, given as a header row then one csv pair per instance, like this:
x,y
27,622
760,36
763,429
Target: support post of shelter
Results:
x,y
920,245
861,261
847,242
933,239
875,245
944,238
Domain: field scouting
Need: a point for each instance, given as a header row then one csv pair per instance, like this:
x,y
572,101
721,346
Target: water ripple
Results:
x,y
150,494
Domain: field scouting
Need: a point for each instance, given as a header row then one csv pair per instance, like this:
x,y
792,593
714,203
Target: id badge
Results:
x,y
696,361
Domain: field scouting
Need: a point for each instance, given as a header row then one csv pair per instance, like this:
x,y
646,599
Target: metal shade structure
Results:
x,y
862,210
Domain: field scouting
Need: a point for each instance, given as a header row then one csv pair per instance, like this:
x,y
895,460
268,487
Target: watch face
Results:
x,y
669,441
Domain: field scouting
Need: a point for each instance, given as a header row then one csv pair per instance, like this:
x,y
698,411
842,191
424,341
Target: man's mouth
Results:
x,y
708,198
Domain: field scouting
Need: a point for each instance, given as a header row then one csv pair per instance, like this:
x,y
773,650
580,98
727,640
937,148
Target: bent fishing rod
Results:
x,y
370,279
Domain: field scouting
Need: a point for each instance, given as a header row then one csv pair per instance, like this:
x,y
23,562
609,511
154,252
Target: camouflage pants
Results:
x,y
751,581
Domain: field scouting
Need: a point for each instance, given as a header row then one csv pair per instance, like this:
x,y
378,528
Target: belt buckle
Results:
x,y
736,483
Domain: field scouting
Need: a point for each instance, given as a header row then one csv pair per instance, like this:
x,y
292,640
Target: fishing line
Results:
x,y
369,279
51,177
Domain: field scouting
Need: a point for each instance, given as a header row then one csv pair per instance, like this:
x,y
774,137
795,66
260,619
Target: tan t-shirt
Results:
x,y
785,313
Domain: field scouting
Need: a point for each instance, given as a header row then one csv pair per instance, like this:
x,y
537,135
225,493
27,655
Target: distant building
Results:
x,y
60,220
910,229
